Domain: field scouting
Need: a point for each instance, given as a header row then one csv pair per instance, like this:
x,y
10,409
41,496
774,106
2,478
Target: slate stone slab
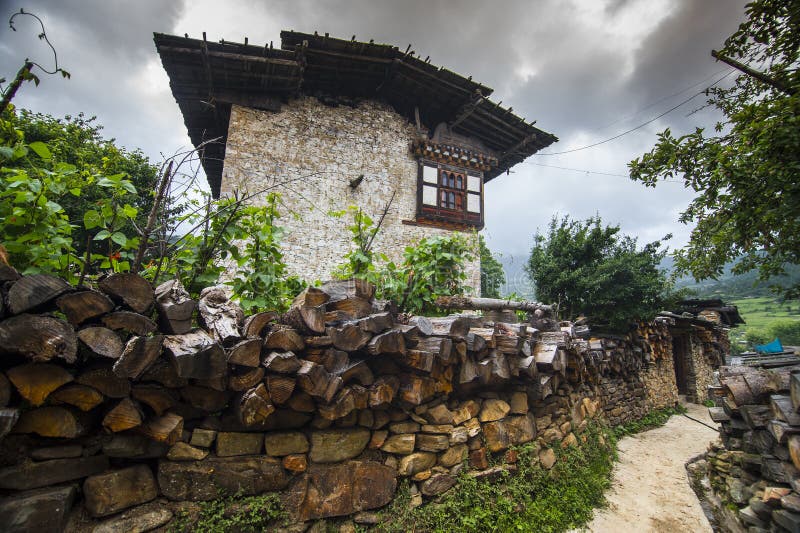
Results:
x,y
33,475
203,480
37,511
112,492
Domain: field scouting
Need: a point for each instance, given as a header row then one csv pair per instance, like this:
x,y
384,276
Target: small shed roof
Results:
x,y
207,78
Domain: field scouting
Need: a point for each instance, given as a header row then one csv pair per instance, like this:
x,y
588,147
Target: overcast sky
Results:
x,y
585,70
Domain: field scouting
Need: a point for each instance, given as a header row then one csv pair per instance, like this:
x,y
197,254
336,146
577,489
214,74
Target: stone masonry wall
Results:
x,y
309,153
660,387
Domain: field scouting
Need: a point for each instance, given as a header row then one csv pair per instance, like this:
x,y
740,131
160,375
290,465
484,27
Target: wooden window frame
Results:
x,y
451,201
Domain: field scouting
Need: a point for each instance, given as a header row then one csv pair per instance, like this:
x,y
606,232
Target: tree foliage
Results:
x,y
745,173
586,268
492,274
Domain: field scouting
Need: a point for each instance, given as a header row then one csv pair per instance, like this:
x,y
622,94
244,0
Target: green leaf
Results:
x,y
41,150
102,234
92,219
119,238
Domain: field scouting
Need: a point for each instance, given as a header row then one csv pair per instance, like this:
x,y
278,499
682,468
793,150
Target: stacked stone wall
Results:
x,y
310,153
185,401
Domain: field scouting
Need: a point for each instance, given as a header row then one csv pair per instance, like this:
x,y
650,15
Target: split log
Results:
x,y
383,391
282,362
391,342
245,380
475,343
440,347
333,360
31,293
349,337
175,307
316,381
548,357
468,372
487,334
196,355
341,406
450,326
157,398
793,443
101,341
8,418
755,416
376,323
164,372
416,390
411,334
105,381
36,382
334,385
246,353
416,359
281,387
220,316
81,396
8,273
527,366
124,415
783,410
167,428
301,401
5,390
360,396
423,324
254,406
794,390
129,289
256,325
39,338
545,385
209,400
84,305
285,339
781,430
138,355
321,341
52,421
491,304
357,370
130,322
307,311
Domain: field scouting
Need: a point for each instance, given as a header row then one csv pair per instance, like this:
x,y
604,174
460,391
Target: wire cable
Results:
x,y
590,171
643,124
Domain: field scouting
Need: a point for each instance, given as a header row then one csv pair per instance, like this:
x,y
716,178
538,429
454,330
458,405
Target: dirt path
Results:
x,y
650,491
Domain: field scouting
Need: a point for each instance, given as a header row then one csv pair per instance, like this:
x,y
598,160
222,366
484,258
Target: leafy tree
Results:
x,y
492,274
77,141
586,268
745,173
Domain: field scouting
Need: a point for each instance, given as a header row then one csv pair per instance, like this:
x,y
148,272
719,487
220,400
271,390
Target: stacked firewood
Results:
x,y
757,464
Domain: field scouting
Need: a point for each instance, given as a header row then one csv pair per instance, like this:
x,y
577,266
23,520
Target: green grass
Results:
x,y
653,419
249,514
761,312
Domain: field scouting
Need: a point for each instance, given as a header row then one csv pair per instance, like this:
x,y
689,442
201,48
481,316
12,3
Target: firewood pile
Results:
x,y
96,384
756,467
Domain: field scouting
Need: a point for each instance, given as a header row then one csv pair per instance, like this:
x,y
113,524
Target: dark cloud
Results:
x,y
584,69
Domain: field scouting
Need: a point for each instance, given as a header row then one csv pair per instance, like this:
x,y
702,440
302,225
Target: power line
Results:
x,y
670,110
582,171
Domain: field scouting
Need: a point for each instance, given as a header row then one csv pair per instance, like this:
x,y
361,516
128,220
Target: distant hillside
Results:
x,y
517,281
734,287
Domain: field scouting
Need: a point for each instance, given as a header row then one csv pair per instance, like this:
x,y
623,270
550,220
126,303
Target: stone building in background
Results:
x,y
330,123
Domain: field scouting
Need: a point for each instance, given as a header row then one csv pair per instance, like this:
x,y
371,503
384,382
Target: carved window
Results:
x,y
450,194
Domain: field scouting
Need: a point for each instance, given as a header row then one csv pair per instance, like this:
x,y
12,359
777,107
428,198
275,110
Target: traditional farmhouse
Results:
x,y
331,123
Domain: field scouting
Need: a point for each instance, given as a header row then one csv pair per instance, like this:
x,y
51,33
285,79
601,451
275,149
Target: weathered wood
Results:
x,y
129,289
282,362
196,355
105,381
220,316
245,380
51,421
755,416
548,357
5,390
527,366
468,372
793,443
416,389
164,372
257,324
319,341
81,396
130,322
285,339
391,342
101,341
349,337
376,323
155,397
332,359
307,311
35,382
167,428
383,391
781,430
451,326
31,293
8,418
301,401
84,305
138,355
738,390
475,343
39,338
356,370
313,379
254,406
342,405
794,390
416,359
280,387
350,288
423,325
175,307
411,334
125,415
246,353
207,399
491,304
783,410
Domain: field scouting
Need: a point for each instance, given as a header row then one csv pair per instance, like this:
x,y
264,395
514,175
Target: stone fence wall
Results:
x,y
116,396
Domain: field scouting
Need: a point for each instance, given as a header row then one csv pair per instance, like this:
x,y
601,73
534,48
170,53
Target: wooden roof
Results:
x,y
206,78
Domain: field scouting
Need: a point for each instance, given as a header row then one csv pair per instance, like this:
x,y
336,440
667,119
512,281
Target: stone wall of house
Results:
x,y
309,153
661,389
